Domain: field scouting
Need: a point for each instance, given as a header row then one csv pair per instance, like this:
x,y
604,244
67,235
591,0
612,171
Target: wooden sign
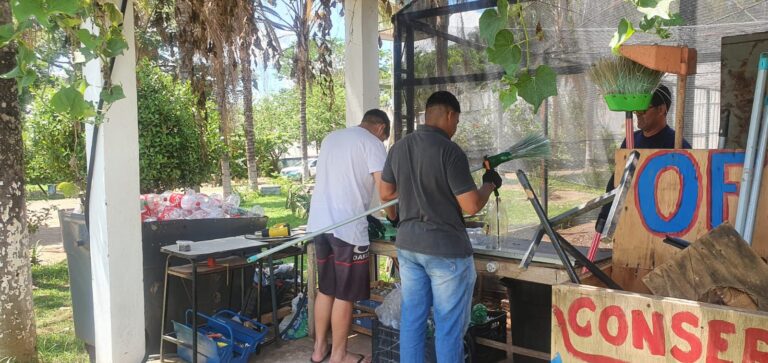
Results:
x,y
682,193
596,325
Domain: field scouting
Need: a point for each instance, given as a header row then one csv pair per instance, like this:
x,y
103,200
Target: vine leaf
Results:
x,y
68,101
7,33
490,24
535,89
505,52
89,40
69,7
508,96
113,94
623,34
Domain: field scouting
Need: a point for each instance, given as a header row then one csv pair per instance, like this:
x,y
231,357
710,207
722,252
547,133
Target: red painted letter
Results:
x,y
642,332
621,319
693,340
573,312
715,342
752,338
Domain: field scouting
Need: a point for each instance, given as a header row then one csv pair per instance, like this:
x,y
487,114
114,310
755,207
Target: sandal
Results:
x,y
327,355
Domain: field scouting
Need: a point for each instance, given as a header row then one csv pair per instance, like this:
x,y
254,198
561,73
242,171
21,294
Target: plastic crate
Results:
x,y
494,329
209,350
385,346
245,339
365,322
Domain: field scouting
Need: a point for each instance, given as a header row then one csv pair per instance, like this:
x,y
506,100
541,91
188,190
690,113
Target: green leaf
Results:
x,y
89,40
69,7
535,89
505,52
113,94
69,22
68,101
490,24
7,33
27,78
115,46
647,23
653,8
25,9
113,13
503,7
13,73
508,96
623,34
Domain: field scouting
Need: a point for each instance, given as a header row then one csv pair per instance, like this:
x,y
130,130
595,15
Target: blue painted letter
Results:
x,y
681,219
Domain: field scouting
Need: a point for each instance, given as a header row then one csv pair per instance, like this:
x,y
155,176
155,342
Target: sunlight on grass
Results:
x,y
56,341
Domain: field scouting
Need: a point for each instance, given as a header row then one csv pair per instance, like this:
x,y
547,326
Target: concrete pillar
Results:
x,y
115,225
361,58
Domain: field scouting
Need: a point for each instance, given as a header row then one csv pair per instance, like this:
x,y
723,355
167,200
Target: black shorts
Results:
x,y
342,268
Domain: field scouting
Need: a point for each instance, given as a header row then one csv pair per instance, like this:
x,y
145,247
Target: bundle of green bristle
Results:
x,y
531,146
619,75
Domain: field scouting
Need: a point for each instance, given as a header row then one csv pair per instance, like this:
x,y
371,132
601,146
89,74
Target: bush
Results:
x,y
54,149
173,146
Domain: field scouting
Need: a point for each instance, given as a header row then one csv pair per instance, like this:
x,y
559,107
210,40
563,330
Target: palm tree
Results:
x,y
307,20
247,32
17,321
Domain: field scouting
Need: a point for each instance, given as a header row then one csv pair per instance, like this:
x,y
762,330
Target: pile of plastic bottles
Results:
x,y
192,205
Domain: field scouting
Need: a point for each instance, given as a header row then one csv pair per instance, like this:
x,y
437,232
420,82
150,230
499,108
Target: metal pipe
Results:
x,y
749,156
754,194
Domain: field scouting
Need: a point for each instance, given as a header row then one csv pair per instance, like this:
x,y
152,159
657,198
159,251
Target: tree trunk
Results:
x,y
17,318
221,98
303,56
250,152
183,14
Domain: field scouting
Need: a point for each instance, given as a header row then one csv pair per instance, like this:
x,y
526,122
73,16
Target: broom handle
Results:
x,y
309,236
629,130
682,80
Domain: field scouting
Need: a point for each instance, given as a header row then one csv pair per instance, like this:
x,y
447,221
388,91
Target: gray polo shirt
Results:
x,y
429,171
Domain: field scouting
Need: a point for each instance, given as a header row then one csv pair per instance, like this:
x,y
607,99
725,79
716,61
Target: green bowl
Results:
x,y
619,102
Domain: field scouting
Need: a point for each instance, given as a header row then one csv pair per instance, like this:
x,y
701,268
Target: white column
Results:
x,y
361,58
115,226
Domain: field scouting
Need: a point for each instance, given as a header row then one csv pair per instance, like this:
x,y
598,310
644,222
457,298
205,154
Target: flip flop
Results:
x,y
327,355
362,358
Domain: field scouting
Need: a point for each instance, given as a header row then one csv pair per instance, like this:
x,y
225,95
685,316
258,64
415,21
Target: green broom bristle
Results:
x,y
531,146
619,75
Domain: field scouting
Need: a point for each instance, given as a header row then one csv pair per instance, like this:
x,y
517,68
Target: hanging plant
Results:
x,y
656,20
532,85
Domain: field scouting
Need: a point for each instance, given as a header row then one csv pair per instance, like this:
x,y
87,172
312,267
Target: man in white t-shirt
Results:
x,y
348,173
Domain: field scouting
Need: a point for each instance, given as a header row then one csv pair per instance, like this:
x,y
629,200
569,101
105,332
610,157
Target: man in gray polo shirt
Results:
x,y
430,174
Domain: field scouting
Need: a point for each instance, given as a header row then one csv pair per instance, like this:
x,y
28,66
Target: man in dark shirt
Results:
x,y
430,173
654,133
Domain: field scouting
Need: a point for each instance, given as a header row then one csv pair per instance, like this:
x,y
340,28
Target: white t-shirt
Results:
x,y
344,184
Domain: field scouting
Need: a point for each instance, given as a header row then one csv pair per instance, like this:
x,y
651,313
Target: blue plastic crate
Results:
x,y
209,349
245,338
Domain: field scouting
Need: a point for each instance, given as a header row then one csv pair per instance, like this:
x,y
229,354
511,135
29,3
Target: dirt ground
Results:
x,y
48,237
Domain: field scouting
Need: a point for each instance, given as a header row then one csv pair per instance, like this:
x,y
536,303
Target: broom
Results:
x,y
626,86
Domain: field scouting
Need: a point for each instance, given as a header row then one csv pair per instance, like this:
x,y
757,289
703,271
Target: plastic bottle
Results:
x,y
497,222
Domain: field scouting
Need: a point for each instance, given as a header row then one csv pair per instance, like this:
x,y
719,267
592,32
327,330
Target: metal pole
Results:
x,y
754,194
749,157
397,79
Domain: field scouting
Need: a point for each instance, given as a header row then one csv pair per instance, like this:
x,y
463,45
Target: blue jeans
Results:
x,y
446,284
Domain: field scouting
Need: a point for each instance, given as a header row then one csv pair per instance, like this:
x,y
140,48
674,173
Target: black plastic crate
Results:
x,y
386,346
494,329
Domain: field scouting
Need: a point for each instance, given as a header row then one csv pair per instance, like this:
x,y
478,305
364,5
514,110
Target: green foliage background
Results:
x,y
174,150
54,146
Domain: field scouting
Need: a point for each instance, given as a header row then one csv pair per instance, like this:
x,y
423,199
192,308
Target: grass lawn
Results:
x,y
56,341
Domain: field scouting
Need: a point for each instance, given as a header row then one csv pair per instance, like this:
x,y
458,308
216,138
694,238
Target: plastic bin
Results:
x,y
209,350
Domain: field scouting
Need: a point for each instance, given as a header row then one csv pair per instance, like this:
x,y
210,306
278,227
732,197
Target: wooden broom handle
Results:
x,y
680,110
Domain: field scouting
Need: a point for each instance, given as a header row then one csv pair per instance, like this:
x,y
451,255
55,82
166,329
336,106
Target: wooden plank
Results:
x,y
719,259
592,324
515,349
655,205
361,330
311,288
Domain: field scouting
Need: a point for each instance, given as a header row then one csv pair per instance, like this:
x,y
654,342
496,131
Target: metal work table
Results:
x,y
230,251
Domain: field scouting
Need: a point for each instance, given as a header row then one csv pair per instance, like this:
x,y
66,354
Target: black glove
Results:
x,y
395,221
491,176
